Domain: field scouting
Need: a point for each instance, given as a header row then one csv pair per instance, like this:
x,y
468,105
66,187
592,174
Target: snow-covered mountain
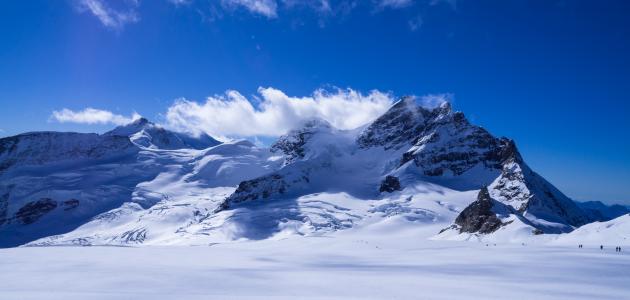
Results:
x,y
40,148
147,134
602,212
52,182
406,145
423,168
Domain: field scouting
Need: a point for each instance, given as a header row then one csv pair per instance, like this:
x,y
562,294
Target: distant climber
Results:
x,y
601,247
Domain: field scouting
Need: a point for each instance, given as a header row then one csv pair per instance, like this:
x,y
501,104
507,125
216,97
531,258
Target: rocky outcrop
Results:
x,y
294,144
449,144
439,141
531,195
390,184
479,216
4,208
400,126
255,189
32,211
70,204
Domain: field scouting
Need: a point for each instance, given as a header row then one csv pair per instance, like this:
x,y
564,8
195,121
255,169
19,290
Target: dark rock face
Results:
x,y
402,124
458,147
34,210
439,139
4,206
259,188
293,144
478,217
390,184
70,204
292,148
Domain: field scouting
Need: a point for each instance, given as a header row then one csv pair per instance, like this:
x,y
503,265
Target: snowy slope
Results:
x,y
185,190
52,183
615,232
193,219
38,148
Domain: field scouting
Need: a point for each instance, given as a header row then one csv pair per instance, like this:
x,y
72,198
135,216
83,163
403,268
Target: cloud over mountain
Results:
x,y
91,116
274,112
108,16
270,113
267,8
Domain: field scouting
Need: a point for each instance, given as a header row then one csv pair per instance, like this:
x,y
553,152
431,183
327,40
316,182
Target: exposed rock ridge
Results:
x,y
479,216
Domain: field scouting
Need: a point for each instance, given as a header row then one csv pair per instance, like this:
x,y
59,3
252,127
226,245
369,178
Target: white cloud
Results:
x,y
416,23
451,3
321,6
180,2
109,17
126,11
91,116
267,8
232,115
394,3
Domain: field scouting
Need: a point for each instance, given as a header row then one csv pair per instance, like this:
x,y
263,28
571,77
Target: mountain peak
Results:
x,y
293,144
404,101
140,122
396,127
148,134
314,123
445,108
131,128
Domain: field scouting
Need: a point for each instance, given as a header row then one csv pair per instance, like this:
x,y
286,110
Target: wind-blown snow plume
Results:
x,y
232,114
394,3
109,17
435,100
267,8
91,116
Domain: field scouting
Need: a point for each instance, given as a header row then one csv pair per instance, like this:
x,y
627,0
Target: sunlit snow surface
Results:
x,y
388,260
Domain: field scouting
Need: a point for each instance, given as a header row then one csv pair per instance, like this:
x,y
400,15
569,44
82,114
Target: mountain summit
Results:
x,y
147,134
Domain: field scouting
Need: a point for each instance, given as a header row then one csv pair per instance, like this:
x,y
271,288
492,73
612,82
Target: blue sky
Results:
x,y
553,75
